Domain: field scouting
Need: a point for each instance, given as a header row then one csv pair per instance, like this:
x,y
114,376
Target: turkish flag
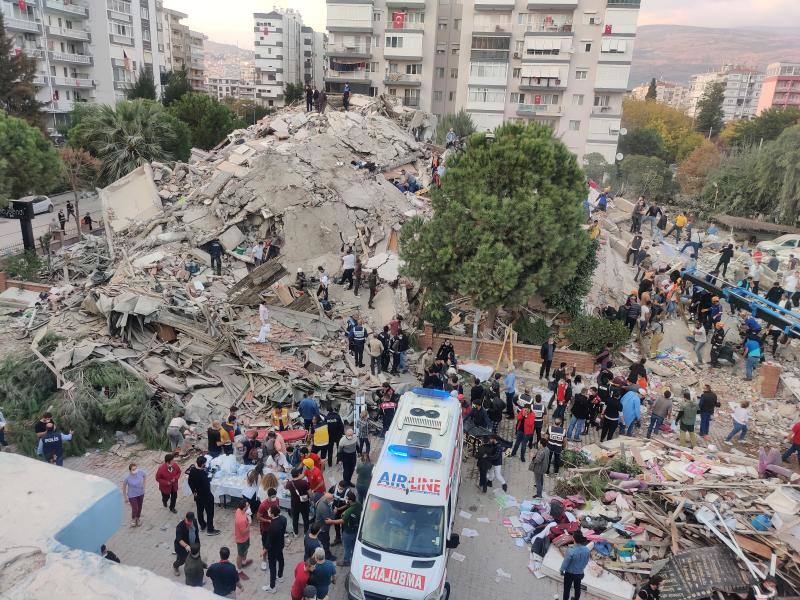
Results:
x,y
537,99
398,20
17,51
607,30
22,5
265,30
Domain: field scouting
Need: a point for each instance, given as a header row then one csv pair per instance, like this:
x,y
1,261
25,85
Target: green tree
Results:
x,y
709,116
124,137
764,128
645,176
591,334
675,128
460,122
569,297
644,142
144,87
175,85
181,147
506,222
596,167
729,187
293,92
246,110
17,92
208,119
652,90
28,162
692,173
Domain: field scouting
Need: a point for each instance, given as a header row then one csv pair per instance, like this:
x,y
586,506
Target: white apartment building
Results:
x,y
88,50
281,53
196,61
561,62
667,92
742,90
230,87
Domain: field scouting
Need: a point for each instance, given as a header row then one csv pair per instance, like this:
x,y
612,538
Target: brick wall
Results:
x,y
489,350
6,283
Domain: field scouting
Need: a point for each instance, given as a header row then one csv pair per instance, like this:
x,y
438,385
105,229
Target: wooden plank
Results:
x,y
674,533
753,546
638,458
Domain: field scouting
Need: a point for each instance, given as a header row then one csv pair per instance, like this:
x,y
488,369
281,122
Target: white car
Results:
x,y
783,245
41,204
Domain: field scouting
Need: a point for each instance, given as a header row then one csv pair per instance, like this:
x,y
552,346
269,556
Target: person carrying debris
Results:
x,y
215,252
677,226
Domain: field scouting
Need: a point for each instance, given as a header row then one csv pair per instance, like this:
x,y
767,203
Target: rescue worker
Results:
x,y
387,405
359,338
538,409
556,443
215,252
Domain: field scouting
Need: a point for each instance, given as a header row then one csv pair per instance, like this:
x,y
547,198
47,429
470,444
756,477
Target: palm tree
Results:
x,y
127,136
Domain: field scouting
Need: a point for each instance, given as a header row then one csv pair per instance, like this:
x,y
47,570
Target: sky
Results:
x,y
231,21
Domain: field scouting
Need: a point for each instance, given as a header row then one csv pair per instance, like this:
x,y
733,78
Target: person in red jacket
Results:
x,y
167,477
316,480
525,428
302,572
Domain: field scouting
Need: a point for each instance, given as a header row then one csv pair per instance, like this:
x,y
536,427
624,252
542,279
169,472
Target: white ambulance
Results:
x,y
407,519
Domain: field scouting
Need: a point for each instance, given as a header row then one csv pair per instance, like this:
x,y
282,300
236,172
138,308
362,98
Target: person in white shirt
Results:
x,y
175,431
278,462
263,315
700,339
324,280
755,275
740,417
258,253
348,266
790,287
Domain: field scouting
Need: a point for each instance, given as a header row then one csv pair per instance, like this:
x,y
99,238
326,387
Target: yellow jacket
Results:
x,y
280,416
680,220
321,435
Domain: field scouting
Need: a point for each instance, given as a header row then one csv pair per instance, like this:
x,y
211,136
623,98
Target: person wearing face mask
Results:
x,y
348,453
133,492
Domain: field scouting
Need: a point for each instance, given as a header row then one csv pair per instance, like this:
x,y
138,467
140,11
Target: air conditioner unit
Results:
x,y
613,131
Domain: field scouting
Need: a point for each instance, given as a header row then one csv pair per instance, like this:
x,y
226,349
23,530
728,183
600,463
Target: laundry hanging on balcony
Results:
x,y
343,67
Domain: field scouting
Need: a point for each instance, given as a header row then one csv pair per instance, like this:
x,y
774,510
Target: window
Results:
x,y
451,96
488,70
119,29
486,95
577,99
456,24
454,51
440,51
581,74
119,6
376,16
516,73
414,69
453,73
146,34
392,67
490,43
439,72
441,26
393,41
518,46
145,12
437,96
614,46
574,125
517,98
587,47
386,526
602,100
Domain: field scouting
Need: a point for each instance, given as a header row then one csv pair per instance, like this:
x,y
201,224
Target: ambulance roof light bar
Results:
x,y
402,451
440,394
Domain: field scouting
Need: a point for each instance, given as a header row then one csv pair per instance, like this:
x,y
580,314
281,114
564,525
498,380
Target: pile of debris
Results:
x,y
308,184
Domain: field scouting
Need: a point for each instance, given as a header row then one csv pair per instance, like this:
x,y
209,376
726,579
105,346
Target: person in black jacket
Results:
x,y
447,353
108,554
652,589
276,535
186,533
724,259
610,417
546,354
335,432
200,484
708,402
637,370
580,414
487,456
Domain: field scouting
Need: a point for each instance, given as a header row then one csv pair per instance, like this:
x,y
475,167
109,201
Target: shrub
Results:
x,y
591,334
532,331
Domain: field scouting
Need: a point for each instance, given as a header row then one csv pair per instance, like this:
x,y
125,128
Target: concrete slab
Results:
x,y
133,198
231,238
17,298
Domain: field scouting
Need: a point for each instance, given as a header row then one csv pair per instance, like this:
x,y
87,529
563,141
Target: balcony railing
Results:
x,y
348,75
550,24
125,40
341,48
77,82
34,53
78,59
504,27
402,79
40,80
70,9
22,25
542,82
390,26
530,109
66,32
122,85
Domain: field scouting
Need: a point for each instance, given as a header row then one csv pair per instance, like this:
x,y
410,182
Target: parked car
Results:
x,y
41,204
783,245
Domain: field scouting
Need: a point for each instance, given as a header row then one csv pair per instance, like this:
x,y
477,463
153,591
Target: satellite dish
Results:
x,y
623,131
619,156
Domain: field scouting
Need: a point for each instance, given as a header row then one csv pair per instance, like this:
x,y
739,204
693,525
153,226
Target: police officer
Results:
x,y
388,405
53,444
359,339
717,340
335,432
556,443
538,409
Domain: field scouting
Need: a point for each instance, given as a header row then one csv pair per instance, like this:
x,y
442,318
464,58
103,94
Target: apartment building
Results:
x,y
196,61
781,87
667,92
281,53
742,89
314,48
230,87
564,63
87,50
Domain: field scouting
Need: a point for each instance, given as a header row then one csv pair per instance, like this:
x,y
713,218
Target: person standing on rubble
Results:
x,y
359,341
348,266
357,275
686,417
385,339
323,101
659,412
546,354
324,281
375,352
257,252
372,282
752,353
309,98
215,252
308,409
794,440
315,98
387,405
610,414
346,97
510,383
677,226
708,402
631,411
739,417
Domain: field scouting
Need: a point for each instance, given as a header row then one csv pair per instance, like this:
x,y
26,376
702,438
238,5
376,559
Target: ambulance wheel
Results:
x,y
446,595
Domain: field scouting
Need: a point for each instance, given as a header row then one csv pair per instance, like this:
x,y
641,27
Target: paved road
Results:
x,y
11,238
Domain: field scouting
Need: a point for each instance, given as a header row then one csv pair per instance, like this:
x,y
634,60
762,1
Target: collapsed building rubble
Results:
x,y
309,185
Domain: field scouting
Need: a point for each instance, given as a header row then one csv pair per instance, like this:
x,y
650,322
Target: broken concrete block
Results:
x,y
231,238
216,184
133,198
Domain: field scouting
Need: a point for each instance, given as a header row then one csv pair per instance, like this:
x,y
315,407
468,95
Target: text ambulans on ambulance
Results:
x,y
407,518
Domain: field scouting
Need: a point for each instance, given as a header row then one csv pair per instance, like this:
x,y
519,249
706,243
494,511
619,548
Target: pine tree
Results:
x,y
145,86
17,92
709,109
652,91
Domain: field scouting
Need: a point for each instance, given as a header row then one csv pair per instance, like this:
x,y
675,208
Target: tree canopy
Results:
x,y
209,121
764,128
644,141
708,120
596,167
693,172
652,90
644,176
507,220
674,127
29,163
293,92
144,87
17,92
460,122
175,85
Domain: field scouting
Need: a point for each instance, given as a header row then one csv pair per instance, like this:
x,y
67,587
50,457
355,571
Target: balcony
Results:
x,y
122,85
478,55
624,3
68,33
362,50
406,3
407,26
73,82
402,79
495,28
75,59
410,48
60,106
72,10
122,40
36,53
498,5
332,75
541,4
554,23
541,83
22,25
40,80
527,110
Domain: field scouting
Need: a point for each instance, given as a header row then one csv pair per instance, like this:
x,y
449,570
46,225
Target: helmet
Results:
x,y
299,269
